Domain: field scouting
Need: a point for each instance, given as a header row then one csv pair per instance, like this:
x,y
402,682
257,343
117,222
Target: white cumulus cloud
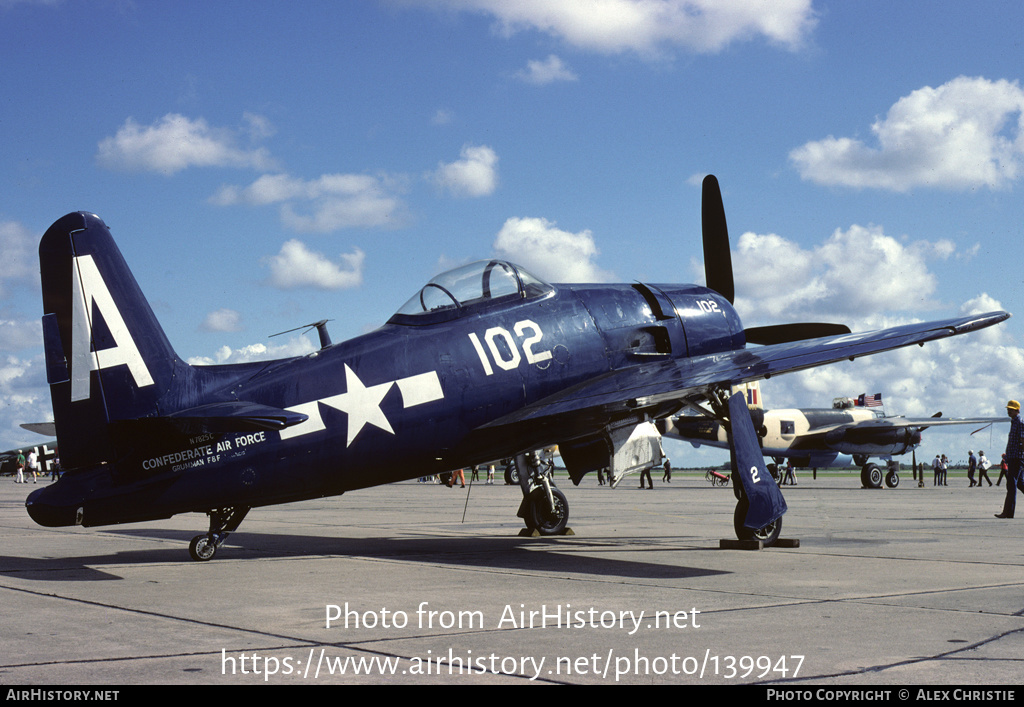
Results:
x,y
965,134
547,71
222,320
176,142
474,174
549,252
649,27
297,266
295,346
854,275
24,397
328,203
869,280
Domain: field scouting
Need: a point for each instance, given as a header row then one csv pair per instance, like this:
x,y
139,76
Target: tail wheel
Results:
x,y
223,522
202,548
768,535
540,516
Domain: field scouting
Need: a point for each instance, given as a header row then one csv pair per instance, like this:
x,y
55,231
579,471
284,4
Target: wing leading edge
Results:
x,y
630,390
887,423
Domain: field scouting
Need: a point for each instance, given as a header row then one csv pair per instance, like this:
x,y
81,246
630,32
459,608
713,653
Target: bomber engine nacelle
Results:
x,y
875,441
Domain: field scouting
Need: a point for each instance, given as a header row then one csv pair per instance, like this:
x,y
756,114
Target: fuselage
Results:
x,y
409,399
813,437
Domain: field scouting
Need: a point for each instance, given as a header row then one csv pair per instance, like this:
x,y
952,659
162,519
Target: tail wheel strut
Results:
x,y
223,522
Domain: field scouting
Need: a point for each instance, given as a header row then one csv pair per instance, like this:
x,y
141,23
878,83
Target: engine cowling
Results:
x,y
873,440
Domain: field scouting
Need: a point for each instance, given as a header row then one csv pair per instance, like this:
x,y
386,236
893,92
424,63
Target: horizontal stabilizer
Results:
x,y
785,333
218,418
240,416
44,428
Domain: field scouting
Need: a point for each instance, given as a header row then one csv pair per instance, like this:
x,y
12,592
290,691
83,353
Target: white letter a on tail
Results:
x,y
90,289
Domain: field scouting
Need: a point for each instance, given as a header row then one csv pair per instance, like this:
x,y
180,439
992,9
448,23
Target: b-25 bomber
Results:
x,y
483,362
815,437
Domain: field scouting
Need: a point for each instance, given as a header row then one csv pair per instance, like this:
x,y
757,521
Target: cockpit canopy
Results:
x,y
469,289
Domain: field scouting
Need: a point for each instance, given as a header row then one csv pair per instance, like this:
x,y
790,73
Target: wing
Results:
x,y
890,422
44,428
646,387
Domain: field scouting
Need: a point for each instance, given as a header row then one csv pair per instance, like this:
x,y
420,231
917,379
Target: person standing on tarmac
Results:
x,y
983,465
1014,456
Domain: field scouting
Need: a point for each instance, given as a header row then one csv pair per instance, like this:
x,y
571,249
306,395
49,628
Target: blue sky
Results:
x,y
265,164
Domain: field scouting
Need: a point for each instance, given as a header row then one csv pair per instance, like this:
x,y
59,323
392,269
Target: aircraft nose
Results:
x,y
45,512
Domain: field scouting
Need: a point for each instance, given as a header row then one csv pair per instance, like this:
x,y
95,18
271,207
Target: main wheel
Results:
x,y
202,548
871,476
541,517
892,479
511,474
768,535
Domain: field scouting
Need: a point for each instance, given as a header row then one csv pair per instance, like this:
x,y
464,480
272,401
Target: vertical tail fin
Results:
x,y
107,358
752,392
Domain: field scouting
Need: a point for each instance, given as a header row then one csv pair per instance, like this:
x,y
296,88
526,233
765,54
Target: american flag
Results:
x,y
870,401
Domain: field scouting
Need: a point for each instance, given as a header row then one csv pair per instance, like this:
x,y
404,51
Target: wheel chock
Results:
x,y
534,533
730,544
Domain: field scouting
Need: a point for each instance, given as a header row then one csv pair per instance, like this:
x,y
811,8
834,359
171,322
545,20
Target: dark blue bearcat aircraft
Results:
x,y
484,362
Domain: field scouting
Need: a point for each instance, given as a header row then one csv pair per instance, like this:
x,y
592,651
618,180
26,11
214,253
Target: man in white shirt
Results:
x,y
33,465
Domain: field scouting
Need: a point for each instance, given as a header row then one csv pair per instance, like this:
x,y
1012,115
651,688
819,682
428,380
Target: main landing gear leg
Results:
x,y
223,522
759,502
544,508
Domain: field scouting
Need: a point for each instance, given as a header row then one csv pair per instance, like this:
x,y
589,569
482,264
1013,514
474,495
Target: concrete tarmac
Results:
x,y
907,586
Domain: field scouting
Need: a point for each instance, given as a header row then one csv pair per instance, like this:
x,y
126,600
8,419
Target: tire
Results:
x,y
892,479
202,549
768,535
541,518
511,474
871,476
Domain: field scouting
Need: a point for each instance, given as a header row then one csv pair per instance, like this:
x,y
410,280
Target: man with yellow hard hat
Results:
x,y
1014,456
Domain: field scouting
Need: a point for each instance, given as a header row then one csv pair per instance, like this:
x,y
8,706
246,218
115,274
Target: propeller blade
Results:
x,y
717,257
784,333
938,414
